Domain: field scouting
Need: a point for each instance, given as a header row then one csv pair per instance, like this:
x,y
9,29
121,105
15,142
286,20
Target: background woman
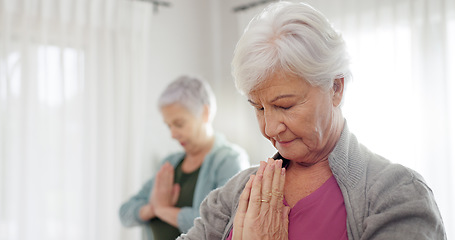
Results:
x,y
293,67
168,203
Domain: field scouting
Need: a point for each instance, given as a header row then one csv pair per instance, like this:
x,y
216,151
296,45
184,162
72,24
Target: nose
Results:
x,y
174,132
274,124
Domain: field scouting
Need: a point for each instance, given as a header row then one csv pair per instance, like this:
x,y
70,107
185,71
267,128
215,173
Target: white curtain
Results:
x,y
401,103
72,104
75,99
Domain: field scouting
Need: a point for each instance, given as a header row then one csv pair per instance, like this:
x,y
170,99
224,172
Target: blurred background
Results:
x,y
80,130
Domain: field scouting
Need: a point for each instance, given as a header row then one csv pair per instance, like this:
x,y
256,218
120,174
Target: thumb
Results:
x,y
285,213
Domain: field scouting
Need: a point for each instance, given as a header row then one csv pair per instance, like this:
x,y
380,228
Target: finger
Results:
x,y
285,213
254,205
239,218
277,186
285,221
282,180
158,177
168,166
266,191
156,185
278,192
171,174
160,174
168,175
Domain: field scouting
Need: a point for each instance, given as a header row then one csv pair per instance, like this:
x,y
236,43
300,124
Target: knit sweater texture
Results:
x,y
383,200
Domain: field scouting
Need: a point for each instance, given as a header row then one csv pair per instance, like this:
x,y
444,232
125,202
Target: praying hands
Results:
x,y
261,213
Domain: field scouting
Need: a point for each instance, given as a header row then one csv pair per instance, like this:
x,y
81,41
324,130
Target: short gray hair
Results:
x,y
190,92
293,38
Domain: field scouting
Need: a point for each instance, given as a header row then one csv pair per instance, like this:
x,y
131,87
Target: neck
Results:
x,y
333,137
204,145
195,158
320,162
320,168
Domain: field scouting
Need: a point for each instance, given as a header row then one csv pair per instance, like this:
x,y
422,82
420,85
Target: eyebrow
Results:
x,y
282,96
251,102
275,99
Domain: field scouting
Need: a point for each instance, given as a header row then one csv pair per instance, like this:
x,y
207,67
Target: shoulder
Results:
x,y
385,177
223,145
355,165
242,177
173,158
224,149
380,176
398,198
234,187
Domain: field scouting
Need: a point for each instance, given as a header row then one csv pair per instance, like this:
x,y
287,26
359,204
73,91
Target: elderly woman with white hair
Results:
x,y
322,184
169,202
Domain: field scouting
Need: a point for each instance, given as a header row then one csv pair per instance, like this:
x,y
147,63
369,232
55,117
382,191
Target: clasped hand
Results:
x,y
261,213
165,192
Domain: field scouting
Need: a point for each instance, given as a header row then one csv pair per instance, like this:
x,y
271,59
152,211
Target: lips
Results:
x,y
285,143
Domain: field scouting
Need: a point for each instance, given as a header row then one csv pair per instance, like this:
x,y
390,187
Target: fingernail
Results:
x,y
278,164
283,171
272,165
251,178
263,165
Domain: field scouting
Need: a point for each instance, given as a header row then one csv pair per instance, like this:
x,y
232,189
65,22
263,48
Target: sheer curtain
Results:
x,y
72,104
401,103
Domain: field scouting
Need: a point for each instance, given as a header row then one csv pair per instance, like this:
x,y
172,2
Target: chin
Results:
x,y
287,155
292,155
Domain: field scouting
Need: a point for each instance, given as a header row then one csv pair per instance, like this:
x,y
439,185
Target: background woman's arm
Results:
x,y
218,208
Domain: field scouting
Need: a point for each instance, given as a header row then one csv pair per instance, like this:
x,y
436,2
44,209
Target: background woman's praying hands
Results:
x,y
165,193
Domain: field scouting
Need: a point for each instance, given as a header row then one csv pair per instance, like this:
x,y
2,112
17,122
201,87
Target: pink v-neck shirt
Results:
x,y
321,215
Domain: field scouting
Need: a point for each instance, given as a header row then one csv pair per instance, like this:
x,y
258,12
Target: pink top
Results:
x,y
321,215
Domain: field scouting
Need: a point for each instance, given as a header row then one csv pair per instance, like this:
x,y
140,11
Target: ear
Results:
x,y
206,114
338,88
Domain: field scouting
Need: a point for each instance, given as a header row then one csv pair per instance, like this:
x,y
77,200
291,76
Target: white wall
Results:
x,y
179,46
235,117
198,37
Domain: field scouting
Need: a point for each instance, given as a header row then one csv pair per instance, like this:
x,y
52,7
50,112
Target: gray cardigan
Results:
x,y
383,200
221,163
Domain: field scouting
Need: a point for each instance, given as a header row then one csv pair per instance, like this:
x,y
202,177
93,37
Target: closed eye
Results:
x,y
256,106
284,108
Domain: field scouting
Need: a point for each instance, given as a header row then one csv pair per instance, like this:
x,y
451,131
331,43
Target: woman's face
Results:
x,y
185,127
296,117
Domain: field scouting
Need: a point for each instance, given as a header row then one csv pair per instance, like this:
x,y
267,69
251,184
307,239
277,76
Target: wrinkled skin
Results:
x,y
261,213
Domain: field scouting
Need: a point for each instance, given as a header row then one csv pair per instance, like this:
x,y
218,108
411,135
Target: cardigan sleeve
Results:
x,y
129,211
401,206
231,162
217,209
226,162
186,217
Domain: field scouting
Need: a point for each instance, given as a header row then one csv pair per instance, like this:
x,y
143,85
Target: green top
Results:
x,y
221,163
187,181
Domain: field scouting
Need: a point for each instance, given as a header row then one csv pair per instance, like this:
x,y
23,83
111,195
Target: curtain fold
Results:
x,y
74,77
73,82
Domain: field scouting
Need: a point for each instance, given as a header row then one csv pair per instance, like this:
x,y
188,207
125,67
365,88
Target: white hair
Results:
x,y
290,38
192,93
